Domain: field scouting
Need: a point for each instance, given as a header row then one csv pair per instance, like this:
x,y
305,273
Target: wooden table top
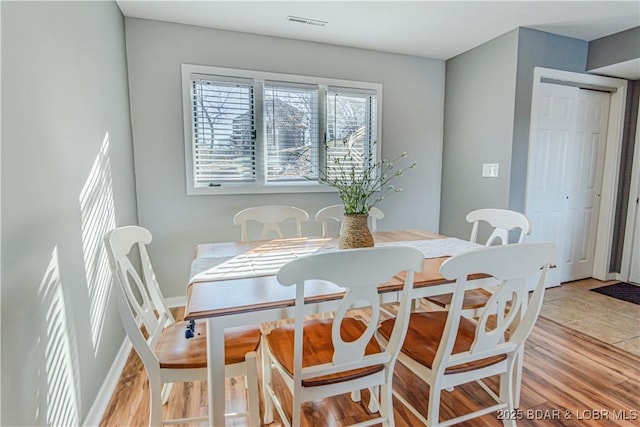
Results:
x,y
225,297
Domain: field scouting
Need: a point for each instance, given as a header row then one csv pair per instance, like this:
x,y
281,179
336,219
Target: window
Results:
x,y
223,131
290,132
351,131
256,132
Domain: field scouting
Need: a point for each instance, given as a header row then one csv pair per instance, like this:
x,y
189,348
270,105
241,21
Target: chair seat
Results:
x,y
473,298
174,351
318,348
424,335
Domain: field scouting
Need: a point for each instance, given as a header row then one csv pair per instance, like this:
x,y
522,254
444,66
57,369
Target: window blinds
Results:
x,y
223,131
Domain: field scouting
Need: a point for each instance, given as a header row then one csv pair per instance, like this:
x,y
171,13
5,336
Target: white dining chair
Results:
x,y
318,358
270,217
446,349
167,354
502,221
336,213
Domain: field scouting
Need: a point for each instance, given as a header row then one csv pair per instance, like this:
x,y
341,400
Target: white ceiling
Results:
x,y
433,29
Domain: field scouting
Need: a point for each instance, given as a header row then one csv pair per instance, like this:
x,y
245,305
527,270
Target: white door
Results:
x,y
564,177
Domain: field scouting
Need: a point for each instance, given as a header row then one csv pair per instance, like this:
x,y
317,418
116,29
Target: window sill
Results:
x,y
281,188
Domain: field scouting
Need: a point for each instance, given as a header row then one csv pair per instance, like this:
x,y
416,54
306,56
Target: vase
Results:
x,y
355,232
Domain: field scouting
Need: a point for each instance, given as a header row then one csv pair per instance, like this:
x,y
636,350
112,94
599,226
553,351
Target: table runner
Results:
x,y
266,260
437,248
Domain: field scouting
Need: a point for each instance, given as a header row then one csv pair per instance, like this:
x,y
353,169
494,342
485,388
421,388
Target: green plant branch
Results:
x,y
360,187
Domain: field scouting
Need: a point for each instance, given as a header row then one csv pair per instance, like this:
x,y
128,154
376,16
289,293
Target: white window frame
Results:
x,y
259,77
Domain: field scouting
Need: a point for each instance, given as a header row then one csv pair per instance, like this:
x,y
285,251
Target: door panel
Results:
x,y
565,174
546,203
584,192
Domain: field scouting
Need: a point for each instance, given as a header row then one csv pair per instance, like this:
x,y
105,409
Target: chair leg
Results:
x,y
374,399
253,396
355,396
433,408
266,383
166,391
296,414
386,403
517,376
507,393
155,401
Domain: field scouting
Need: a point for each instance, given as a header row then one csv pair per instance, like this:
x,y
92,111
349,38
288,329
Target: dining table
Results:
x,y
234,283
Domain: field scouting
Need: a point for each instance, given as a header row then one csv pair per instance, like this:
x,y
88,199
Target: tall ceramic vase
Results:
x,y
355,232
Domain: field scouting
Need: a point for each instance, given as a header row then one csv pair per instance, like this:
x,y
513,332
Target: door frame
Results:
x,y
633,209
613,144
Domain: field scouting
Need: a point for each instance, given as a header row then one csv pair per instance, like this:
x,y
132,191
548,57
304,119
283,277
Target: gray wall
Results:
x,y
413,97
615,48
487,115
536,49
479,103
64,87
624,177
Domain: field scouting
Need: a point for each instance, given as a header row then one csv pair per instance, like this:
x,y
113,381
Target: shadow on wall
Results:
x,y
98,217
62,392
59,390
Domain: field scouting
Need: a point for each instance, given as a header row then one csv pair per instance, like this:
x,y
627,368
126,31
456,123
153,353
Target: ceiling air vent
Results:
x,y
307,21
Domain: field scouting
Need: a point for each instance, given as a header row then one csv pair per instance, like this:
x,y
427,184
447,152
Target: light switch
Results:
x,y
490,170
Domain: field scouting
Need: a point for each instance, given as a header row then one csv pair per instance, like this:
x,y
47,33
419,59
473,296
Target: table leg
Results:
x,y
215,369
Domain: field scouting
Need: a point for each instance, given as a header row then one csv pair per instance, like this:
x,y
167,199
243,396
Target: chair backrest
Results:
x,y
358,271
512,266
502,220
336,213
270,217
150,308
375,214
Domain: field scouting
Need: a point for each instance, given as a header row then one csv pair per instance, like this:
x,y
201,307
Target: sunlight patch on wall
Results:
x,y
62,397
98,217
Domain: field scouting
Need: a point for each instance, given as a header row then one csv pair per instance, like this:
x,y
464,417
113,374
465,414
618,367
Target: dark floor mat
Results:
x,y
622,291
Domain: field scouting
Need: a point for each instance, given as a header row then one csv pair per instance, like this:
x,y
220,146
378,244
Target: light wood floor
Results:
x,y
569,378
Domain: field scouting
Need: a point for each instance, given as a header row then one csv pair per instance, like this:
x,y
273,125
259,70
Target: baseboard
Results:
x,y
109,385
176,301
